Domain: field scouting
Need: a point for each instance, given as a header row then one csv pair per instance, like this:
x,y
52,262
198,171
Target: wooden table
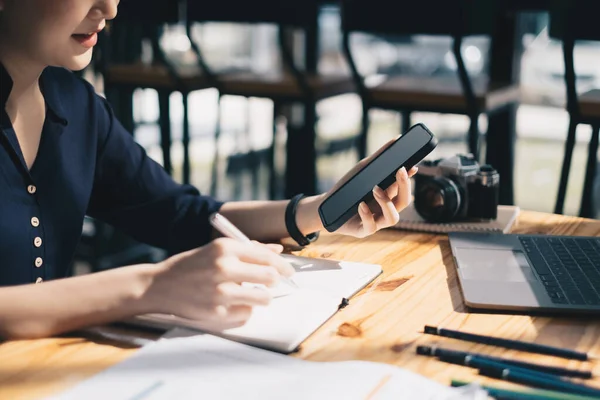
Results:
x,y
382,323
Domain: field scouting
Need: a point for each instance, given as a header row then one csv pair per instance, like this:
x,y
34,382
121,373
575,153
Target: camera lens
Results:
x,y
437,199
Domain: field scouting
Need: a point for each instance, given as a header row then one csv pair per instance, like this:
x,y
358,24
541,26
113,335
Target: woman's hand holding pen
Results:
x,y
205,284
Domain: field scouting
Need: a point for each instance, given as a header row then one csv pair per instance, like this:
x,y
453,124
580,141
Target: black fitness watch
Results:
x,y
290,223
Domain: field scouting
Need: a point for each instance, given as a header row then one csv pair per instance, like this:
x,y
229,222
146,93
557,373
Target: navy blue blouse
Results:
x,y
87,164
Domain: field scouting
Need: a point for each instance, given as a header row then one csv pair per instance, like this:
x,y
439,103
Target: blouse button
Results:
x,y
39,280
37,242
31,189
35,222
38,262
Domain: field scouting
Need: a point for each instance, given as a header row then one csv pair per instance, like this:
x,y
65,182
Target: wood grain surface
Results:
x,y
384,322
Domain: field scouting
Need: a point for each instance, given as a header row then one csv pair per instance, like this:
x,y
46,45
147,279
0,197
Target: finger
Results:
x,y
227,315
388,210
404,191
392,190
218,326
210,321
253,254
275,248
366,217
232,294
401,175
239,272
237,315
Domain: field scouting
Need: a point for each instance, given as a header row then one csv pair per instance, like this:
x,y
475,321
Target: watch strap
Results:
x,y
292,227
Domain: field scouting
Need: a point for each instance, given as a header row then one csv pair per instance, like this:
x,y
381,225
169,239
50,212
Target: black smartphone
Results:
x,y
406,151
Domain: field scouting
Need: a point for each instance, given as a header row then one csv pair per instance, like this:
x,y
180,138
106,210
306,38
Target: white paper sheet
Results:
x,y
208,367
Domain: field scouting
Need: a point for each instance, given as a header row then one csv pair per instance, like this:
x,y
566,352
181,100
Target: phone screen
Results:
x,y
374,173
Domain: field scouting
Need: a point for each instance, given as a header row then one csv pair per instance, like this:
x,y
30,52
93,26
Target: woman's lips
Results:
x,y
87,40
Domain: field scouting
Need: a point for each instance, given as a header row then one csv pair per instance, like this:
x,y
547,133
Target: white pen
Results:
x,y
228,229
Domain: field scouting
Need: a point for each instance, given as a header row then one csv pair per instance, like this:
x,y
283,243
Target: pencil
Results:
x,y
441,352
530,378
525,394
508,343
477,362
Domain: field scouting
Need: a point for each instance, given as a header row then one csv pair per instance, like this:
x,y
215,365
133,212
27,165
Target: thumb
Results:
x,y
274,247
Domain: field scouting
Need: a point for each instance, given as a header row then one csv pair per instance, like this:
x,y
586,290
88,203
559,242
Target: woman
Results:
x,y
63,155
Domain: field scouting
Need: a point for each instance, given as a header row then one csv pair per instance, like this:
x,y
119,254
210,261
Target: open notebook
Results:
x,y
411,220
293,314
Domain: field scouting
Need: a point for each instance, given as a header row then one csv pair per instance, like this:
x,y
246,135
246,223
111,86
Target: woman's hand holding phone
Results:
x,y
370,196
389,202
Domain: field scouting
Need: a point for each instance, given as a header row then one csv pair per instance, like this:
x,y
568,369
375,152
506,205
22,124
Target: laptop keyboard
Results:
x,y
569,268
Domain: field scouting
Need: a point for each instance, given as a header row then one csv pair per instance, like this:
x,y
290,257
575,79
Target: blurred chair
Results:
x,y
571,21
292,84
124,70
461,95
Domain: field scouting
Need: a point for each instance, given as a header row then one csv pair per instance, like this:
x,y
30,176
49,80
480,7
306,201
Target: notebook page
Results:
x,y
207,367
339,278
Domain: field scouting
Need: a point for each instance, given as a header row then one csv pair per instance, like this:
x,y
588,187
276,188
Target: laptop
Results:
x,y
537,273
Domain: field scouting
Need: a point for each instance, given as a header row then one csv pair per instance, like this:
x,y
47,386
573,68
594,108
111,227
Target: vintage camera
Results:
x,y
455,189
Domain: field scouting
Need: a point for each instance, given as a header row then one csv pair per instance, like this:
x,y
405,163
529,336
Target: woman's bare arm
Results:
x,y
265,220
203,284
39,310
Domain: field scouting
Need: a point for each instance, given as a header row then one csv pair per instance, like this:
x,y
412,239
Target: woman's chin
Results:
x,y
79,62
